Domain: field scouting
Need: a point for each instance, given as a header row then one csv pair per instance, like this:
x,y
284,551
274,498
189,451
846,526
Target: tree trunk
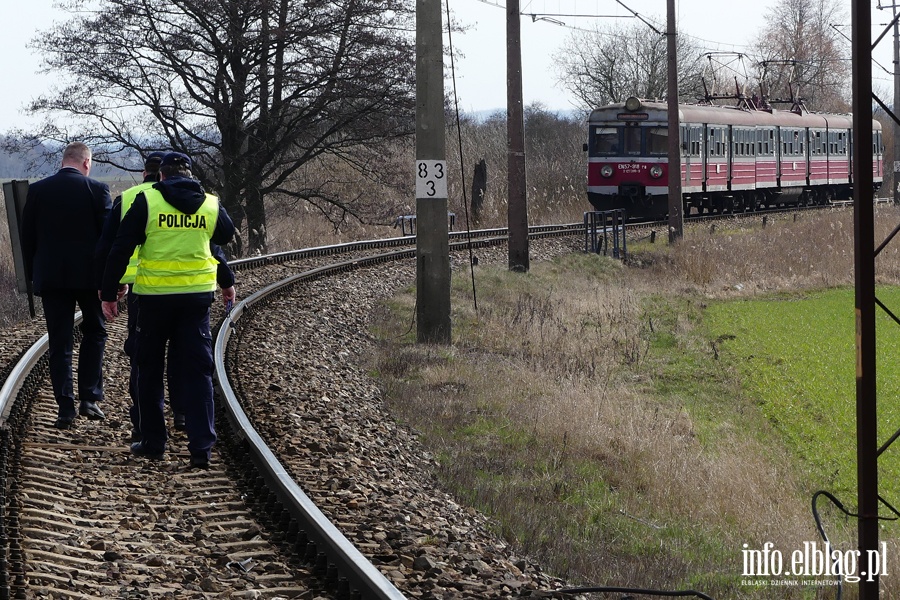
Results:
x,y
256,223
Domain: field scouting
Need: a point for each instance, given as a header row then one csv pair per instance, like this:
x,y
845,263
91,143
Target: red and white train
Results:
x,y
732,158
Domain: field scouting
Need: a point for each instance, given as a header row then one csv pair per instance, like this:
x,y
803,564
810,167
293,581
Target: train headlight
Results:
x,y
632,104
606,171
656,171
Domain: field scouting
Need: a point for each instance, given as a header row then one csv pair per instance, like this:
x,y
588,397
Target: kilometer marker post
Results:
x,y
432,227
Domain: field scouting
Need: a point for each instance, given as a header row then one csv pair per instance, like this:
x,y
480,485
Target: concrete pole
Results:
x,y
517,201
676,216
433,236
896,107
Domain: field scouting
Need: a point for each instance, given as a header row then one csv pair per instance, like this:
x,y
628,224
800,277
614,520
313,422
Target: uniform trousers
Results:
x,y
179,322
131,351
59,313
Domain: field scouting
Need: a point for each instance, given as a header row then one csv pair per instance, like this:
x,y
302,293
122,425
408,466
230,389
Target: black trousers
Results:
x,y
178,324
59,313
134,307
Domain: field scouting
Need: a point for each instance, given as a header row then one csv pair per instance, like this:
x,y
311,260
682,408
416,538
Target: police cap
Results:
x,y
176,159
153,160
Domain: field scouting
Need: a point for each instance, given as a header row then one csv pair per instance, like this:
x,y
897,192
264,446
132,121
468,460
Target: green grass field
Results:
x,y
630,426
796,356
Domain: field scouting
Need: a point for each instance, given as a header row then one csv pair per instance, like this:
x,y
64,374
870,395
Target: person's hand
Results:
x,y
123,289
228,296
110,310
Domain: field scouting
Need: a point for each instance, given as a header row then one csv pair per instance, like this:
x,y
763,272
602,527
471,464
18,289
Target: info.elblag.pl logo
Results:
x,y
815,560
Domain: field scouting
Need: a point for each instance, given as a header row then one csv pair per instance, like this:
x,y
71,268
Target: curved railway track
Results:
x,y
314,491
82,518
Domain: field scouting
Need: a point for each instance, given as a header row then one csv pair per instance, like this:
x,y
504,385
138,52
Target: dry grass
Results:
x,y
553,413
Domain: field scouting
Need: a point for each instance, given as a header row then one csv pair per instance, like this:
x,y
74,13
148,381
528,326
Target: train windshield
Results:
x,y
657,140
606,140
630,140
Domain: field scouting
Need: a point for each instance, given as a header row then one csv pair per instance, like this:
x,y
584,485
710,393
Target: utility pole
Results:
x,y
864,275
676,216
433,237
517,201
896,107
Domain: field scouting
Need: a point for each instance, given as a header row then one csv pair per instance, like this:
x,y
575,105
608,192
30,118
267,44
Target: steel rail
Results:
x,y
359,573
14,382
356,570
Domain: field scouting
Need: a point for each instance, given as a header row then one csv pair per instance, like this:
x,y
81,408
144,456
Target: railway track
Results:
x,y
82,518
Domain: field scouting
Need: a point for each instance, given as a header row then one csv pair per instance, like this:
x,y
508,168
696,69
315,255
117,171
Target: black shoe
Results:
x,y
64,422
179,422
199,462
141,449
91,411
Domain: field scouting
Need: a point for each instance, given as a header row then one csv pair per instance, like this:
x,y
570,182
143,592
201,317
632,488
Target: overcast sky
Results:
x,y
480,51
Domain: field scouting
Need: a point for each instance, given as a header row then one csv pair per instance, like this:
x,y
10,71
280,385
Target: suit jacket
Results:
x,y
61,223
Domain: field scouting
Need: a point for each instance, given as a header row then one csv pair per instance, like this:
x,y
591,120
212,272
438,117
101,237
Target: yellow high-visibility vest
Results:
x,y
175,257
128,197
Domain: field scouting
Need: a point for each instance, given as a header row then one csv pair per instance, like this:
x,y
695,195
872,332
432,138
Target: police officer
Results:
x,y
173,222
225,279
61,223
110,229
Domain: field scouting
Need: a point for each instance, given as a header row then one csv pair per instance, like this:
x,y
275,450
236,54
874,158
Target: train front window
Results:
x,y
657,140
606,140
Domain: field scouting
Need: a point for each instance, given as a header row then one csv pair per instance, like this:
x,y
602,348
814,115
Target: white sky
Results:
x,y
481,71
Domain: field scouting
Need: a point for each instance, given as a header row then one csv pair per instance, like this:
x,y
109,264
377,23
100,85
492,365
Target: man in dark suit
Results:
x,y
61,223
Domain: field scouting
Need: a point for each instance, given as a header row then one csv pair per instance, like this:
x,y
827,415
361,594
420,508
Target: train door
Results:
x,y
705,159
806,149
778,155
696,152
731,142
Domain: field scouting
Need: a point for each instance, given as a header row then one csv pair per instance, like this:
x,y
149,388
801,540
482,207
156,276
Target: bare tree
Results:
x,y
610,63
253,90
804,56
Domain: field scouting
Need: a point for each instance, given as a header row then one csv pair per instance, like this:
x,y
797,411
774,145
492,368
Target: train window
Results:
x,y
606,140
818,145
696,141
657,140
632,140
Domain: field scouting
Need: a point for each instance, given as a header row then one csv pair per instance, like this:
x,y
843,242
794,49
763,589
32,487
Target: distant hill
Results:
x,y
34,164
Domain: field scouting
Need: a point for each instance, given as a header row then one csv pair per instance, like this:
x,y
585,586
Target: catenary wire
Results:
x,y
462,165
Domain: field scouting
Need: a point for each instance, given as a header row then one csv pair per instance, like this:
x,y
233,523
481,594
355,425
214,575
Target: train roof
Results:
x,y
656,112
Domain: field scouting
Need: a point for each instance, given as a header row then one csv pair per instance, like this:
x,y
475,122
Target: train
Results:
x,y
740,158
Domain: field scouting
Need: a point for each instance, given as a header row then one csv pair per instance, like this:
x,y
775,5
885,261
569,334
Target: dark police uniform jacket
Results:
x,y
224,275
187,196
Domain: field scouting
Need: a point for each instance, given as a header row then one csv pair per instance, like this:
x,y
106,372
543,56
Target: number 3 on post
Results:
x,y
431,179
